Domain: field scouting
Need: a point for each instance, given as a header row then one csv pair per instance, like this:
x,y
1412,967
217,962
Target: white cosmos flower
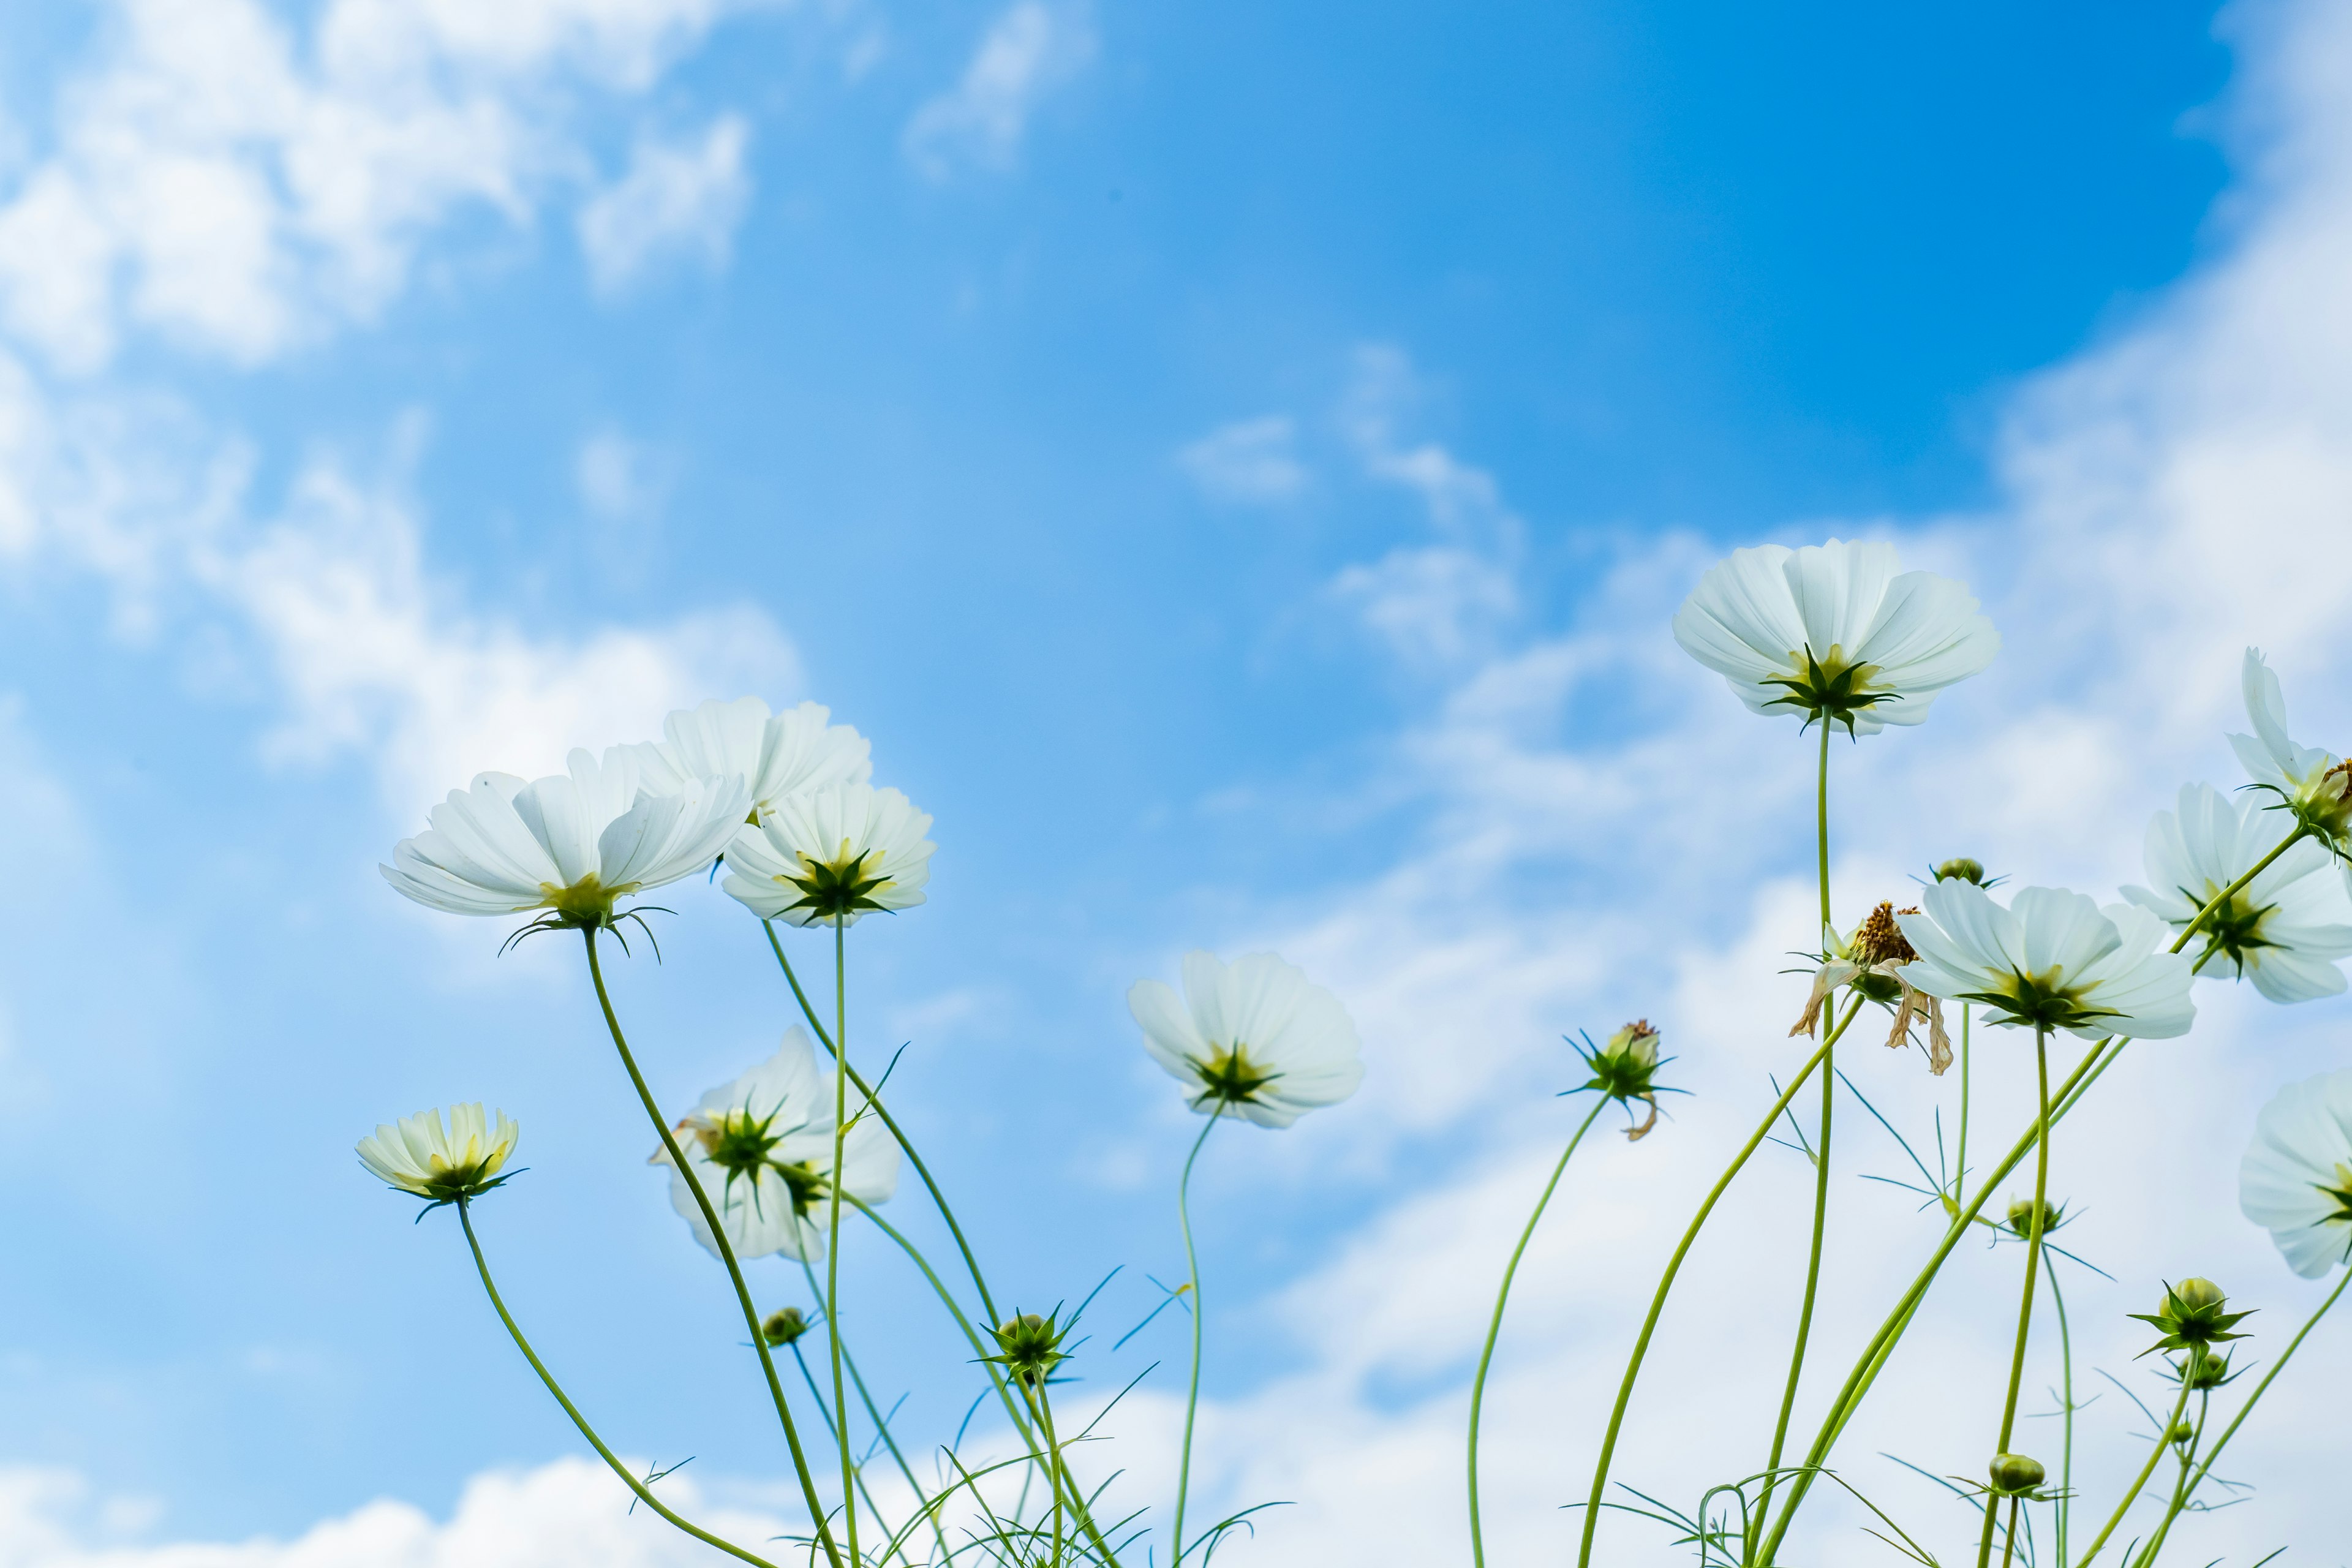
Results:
x,y
422,1156
762,1149
1254,1039
2296,1182
2317,786
2052,959
778,755
1834,632
2278,931
570,844
832,853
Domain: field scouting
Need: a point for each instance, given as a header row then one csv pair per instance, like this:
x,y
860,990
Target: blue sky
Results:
x,y
1236,464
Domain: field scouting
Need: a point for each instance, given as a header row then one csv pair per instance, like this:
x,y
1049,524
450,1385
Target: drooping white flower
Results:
x,y
2280,930
1833,632
762,1149
1871,961
1254,1039
570,844
832,853
2314,786
421,1156
778,755
2296,1182
2052,959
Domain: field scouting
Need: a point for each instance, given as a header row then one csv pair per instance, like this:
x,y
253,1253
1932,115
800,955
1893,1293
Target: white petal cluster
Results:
x,y
1833,631
2283,931
774,1199
778,755
832,853
1254,1039
570,843
2296,1182
2314,785
2053,958
423,1156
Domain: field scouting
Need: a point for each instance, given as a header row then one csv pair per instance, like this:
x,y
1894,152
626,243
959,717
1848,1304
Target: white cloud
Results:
x,y
678,200
979,123
1248,462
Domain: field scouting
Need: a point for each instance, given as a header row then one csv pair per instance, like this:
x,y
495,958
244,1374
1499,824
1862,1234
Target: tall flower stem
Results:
x,y
2139,1483
725,1253
1193,1388
882,1429
2147,1559
1821,822
482,1267
873,1508
1881,1345
1812,1286
2033,1272
2063,1510
832,1232
1494,1325
1960,1157
2248,1407
1673,1267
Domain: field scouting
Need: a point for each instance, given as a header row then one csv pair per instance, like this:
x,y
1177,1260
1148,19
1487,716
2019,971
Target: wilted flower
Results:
x,y
1254,1039
1624,1069
2192,1317
832,855
2274,931
2314,786
422,1157
1871,961
1029,1347
777,754
761,1148
570,844
2296,1181
1832,632
2052,960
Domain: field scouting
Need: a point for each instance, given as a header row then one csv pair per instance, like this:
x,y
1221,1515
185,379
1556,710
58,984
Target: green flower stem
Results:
x,y
882,1426
482,1267
2139,1482
1822,821
2063,1510
2259,1389
726,1252
2146,1558
1495,1326
1874,1355
2032,1272
1192,1390
832,1231
825,1410
1960,1159
1053,1447
1673,1267
1813,1284
2009,1540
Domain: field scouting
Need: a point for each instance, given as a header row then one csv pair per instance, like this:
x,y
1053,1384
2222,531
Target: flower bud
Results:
x,y
1636,1043
1960,869
2193,1316
2020,1216
1029,1347
2197,1292
783,1328
2014,1473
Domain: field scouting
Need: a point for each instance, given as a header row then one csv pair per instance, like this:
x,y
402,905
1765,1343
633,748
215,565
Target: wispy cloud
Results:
x,y
979,123
679,201
1249,462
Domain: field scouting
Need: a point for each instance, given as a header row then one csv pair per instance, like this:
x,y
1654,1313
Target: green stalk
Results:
x,y
2139,1483
725,1251
1813,1284
882,1426
2032,1269
1673,1267
832,1231
817,1394
1193,1390
1960,1160
2146,1558
482,1267
1494,1325
2064,1512
1822,821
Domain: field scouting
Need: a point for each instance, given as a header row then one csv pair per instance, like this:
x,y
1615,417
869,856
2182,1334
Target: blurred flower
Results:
x,y
2274,930
2020,1216
570,844
781,1328
1831,632
1961,868
2314,786
1254,1039
422,1157
777,754
2296,1181
833,853
762,1149
2052,960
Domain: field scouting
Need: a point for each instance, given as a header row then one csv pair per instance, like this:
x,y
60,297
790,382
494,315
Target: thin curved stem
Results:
x,y
1193,1388
2062,1511
882,1428
832,1233
2147,1559
1673,1267
873,1510
2139,1482
1812,1286
725,1253
2032,1270
1494,1325
482,1267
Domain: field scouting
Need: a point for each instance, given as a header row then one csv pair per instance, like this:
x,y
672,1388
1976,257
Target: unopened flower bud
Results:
x,y
2182,1431
1029,1347
2020,1216
2014,1473
2197,1292
1960,869
783,1328
1636,1043
2193,1316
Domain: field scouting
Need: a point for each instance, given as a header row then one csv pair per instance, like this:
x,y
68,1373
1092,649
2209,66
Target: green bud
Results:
x,y
783,1328
1636,1043
2182,1431
1029,1347
2192,1317
2015,1473
1960,869
2020,1216
2197,1292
